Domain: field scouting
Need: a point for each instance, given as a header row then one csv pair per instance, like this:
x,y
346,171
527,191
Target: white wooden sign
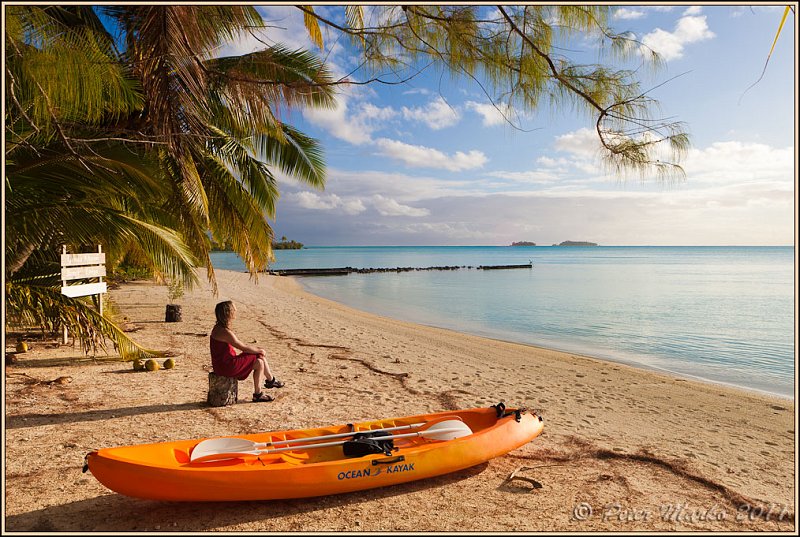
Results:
x,y
79,273
83,267
85,289
72,260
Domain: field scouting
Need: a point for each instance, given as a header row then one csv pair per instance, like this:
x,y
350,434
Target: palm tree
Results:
x,y
217,120
147,150
62,88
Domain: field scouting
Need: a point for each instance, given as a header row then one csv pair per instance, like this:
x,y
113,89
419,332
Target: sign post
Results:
x,y
83,267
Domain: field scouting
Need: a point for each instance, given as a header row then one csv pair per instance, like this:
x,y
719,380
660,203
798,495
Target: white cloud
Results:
x,y
721,163
492,114
371,112
462,231
328,202
425,157
557,164
529,177
735,193
628,14
693,10
719,215
417,91
670,45
437,114
286,27
739,162
309,200
390,207
353,206
352,123
408,188
583,142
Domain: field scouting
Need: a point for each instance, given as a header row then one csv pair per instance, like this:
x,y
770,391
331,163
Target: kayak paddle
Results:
x,y
235,445
229,448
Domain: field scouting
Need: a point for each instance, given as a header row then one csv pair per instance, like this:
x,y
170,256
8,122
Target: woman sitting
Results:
x,y
229,364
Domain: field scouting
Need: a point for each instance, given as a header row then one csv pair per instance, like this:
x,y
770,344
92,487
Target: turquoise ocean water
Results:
x,y
720,314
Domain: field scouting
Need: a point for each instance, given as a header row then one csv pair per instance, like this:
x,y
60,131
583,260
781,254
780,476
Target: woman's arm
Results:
x,y
223,334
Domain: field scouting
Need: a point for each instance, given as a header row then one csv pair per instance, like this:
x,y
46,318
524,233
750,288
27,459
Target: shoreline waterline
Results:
x,y
721,314
298,280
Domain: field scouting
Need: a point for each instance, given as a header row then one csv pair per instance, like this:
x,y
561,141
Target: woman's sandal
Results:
x,y
273,383
261,397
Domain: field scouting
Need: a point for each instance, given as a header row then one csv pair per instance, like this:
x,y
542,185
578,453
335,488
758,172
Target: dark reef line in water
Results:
x,y
347,270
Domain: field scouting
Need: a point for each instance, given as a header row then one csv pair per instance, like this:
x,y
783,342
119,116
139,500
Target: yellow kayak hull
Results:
x,y
164,471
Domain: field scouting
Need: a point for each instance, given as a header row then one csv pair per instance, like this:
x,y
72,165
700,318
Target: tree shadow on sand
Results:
x,y
64,361
35,420
132,514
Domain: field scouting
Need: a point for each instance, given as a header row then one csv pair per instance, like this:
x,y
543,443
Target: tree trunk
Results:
x,y
14,264
222,391
173,314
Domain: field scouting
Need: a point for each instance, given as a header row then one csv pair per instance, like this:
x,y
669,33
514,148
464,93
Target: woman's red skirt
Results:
x,y
229,364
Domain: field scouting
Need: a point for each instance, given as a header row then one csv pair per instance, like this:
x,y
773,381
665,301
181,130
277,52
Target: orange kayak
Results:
x,y
314,462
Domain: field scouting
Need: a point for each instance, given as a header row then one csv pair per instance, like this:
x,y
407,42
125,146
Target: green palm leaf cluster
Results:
x,y
125,131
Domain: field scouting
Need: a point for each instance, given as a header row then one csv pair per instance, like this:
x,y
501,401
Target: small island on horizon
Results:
x,y
565,243
576,243
286,244
283,244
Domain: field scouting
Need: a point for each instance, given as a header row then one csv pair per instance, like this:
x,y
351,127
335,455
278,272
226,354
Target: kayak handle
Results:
x,y
399,458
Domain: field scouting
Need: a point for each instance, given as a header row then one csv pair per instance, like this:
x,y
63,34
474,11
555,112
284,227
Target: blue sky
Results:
x,y
431,162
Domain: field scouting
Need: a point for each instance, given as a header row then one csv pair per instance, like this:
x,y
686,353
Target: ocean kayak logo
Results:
x,y
373,472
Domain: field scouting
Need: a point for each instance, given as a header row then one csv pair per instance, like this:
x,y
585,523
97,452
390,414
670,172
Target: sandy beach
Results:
x,y
623,449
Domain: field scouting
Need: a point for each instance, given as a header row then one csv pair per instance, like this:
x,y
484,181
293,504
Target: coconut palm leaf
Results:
x,y
47,308
312,26
274,76
295,153
58,73
57,201
237,156
237,217
246,91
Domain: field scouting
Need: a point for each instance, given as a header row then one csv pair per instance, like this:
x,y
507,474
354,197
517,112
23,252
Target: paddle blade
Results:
x,y
211,457
221,446
446,430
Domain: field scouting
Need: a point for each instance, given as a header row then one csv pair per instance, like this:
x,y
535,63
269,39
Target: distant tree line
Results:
x,y
283,244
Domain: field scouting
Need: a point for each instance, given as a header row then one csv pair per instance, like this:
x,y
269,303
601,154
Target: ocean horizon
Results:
x,y
720,314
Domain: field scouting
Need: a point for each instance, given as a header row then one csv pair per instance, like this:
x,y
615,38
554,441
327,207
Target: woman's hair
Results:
x,y
223,312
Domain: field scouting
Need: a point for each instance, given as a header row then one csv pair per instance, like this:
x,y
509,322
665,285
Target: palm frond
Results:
x,y
274,75
48,309
296,154
354,15
312,26
237,218
62,73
